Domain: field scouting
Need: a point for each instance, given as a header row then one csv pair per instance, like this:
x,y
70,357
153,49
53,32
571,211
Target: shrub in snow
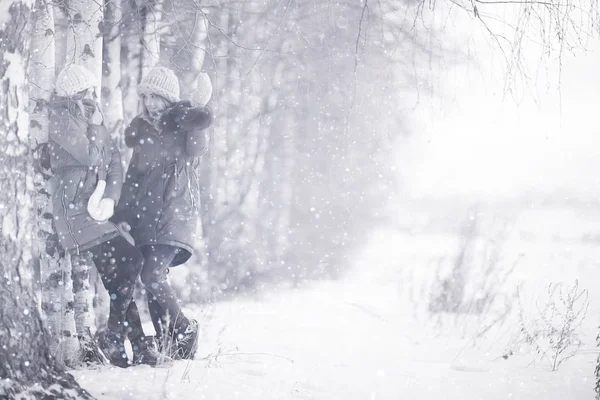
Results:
x,y
552,330
474,285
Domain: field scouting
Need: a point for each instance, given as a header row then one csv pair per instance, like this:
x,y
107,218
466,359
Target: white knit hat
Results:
x,y
161,81
73,79
203,91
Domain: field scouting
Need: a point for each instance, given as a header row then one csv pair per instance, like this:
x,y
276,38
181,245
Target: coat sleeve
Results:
x,y
197,137
131,133
199,118
114,175
197,142
73,139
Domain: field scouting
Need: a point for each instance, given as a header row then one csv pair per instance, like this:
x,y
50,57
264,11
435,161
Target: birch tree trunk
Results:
x,y
81,267
131,56
151,21
213,192
112,108
286,190
61,31
27,369
56,283
84,42
196,51
112,95
276,183
247,157
84,47
231,190
288,112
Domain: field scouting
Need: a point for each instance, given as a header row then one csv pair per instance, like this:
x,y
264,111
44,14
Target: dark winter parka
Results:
x,y
80,155
160,199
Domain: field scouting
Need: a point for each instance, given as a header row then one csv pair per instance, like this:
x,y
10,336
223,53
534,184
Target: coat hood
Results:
x,y
184,116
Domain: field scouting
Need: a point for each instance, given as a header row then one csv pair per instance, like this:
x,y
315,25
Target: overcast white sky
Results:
x,y
473,140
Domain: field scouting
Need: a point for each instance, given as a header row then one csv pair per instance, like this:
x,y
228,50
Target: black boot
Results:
x,y
90,350
145,352
185,339
113,347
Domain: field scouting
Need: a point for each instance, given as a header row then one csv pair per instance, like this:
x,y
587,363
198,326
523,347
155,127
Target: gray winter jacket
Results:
x,y
80,155
161,190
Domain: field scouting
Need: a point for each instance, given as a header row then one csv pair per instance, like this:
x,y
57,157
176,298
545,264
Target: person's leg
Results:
x,y
157,314
154,277
160,321
143,347
135,331
182,334
119,264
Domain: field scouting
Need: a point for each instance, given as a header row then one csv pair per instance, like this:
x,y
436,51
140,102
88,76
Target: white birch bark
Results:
x,y
131,54
84,42
197,50
151,36
112,95
56,283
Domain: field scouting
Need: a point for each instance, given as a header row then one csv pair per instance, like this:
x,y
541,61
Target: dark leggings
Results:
x,y
119,264
162,302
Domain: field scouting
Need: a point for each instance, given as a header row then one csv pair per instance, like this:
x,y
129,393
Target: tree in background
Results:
x,y
112,73
293,160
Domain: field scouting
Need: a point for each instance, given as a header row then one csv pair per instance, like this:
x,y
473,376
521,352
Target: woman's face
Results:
x,y
90,94
154,104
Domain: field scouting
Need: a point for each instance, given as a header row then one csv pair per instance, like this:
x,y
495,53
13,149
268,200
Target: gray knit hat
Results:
x,y
161,81
73,79
203,91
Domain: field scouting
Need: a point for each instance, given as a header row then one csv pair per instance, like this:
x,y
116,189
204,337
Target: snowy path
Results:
x,y
334,341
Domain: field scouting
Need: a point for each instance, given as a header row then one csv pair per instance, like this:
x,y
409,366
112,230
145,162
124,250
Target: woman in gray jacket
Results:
x,y
85,186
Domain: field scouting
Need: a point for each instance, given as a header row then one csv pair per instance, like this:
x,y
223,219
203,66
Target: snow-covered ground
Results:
x,y
336,341
358,338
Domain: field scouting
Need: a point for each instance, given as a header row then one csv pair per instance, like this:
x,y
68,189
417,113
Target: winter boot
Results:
x,y
145,352
89,350
112,345
185,343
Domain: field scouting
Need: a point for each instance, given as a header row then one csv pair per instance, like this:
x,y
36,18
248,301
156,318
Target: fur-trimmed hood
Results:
x,y
183,116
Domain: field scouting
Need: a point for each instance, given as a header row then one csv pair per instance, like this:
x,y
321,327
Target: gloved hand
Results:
x,y
124,230
101,209
124,226
106,208
203,91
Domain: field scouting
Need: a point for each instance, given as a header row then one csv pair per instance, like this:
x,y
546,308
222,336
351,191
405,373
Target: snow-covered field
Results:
x,y
361,338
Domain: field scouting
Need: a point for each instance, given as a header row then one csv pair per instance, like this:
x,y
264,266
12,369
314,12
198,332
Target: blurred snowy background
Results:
x,y
401,199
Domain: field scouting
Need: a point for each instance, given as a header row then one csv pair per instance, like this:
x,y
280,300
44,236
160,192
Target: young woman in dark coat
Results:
x,y
161,194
